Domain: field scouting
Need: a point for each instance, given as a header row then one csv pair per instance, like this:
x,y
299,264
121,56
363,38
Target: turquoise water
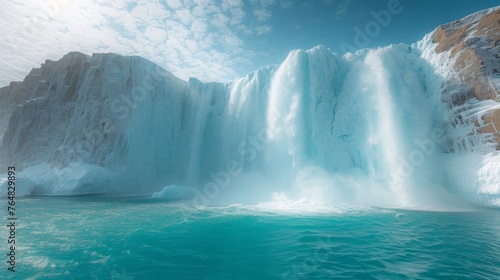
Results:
x,y
142,238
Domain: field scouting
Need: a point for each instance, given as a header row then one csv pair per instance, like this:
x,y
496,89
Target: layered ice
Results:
x,y
368,128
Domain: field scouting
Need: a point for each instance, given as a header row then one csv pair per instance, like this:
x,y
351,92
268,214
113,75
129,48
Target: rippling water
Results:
x,y
140,238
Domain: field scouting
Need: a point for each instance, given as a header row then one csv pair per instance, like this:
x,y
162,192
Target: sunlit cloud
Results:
x,y
212,40
190,38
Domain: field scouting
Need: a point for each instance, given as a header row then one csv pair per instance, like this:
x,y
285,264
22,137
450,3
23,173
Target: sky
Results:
x,y
212,40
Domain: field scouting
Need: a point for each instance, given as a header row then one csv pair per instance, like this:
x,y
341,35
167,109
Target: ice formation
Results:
x,y
368,128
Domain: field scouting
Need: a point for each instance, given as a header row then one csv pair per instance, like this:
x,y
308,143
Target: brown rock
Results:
x,y
449,37
474,44
489,24
494,119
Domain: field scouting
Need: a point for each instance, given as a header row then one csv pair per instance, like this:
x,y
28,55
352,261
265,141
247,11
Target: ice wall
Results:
x,y
368,128
362,129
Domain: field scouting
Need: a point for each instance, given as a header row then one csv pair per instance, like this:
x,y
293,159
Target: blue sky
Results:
x,y
213,40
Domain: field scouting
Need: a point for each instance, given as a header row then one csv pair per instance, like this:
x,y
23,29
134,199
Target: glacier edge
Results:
x,y
369,128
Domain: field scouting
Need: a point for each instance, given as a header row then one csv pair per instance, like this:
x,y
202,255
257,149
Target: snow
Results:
x,y
471,164
368,128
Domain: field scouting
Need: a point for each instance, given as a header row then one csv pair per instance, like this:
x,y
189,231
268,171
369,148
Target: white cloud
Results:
x,y
266,3
232,41
150,10
262,15
185,16
198,12
199,29
189,38
237,16
220,21
174,4
155,34
286,4
230,4
263,29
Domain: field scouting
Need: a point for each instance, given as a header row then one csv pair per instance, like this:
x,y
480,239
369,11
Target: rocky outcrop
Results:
x,y
83,123
473,47
78,99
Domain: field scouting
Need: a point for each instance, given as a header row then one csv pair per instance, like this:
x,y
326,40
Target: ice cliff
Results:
x,y
396,126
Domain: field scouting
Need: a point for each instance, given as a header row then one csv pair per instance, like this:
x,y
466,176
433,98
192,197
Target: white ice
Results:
x,y
368,128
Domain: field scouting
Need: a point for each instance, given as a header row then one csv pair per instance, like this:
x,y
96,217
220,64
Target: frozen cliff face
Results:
x,y
83,111
466,54
384,127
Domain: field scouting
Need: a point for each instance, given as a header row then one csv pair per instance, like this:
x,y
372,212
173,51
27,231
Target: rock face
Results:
x,y
472,46
85,123
78,110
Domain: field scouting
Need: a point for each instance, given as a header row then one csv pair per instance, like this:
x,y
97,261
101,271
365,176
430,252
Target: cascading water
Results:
x,y
384,132
368,128
351,130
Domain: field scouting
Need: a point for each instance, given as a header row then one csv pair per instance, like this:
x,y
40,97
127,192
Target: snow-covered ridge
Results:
x,y
377,127
466,53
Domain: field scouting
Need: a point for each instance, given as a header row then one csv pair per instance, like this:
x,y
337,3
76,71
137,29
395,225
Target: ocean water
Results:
x,y
92,237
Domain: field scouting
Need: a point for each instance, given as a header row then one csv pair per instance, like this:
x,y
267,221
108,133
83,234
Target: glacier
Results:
x,y
370,128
